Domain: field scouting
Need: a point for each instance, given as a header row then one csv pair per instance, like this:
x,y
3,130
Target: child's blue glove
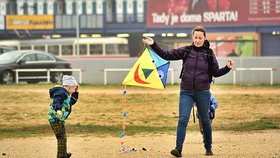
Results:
x,y
212,114
212,108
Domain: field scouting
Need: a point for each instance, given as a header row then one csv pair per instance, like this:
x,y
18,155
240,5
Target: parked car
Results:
x,y
31,59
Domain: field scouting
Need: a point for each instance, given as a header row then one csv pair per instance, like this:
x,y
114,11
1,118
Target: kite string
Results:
x,y
123,149
145,45
124,113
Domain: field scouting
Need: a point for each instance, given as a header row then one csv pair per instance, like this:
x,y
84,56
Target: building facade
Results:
x,y
234,27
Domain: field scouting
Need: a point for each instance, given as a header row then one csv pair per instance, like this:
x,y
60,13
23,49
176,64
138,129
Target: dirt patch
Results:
x,y
225,144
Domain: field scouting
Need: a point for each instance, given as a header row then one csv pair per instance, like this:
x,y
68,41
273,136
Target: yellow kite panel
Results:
x,y
144,73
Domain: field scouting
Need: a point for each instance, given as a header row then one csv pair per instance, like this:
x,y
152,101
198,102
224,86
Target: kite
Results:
x,y
150,70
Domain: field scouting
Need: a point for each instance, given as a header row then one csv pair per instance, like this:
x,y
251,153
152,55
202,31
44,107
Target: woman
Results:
x,y
195,83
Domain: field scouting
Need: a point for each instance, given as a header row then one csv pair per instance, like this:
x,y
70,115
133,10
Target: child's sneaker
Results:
x,y
176,152
209,152
68,155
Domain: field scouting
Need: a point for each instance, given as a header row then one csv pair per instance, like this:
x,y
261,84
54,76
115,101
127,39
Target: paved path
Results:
x,y
254,144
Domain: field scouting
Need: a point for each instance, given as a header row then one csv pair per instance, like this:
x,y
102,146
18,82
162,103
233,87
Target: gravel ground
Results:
x,y
253,144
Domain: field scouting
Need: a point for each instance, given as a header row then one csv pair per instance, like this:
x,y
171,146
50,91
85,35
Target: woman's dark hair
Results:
x,y
199,28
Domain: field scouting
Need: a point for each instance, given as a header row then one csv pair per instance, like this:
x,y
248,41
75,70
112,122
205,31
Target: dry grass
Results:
x,y
24,108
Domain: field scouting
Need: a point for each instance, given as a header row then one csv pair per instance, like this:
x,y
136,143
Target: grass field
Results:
x,y
24,108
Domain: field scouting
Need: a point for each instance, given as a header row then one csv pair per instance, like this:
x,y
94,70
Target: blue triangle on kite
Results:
x,y
147,72
162,72
157,60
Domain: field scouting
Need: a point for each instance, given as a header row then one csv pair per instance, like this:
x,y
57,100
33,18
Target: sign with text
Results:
x,y
212,12
29,22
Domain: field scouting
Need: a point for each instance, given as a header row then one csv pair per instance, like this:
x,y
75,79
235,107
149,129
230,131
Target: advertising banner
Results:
x,y
212,12
29,22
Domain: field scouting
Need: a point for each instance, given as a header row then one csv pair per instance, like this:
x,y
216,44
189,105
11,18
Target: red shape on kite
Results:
x,y
137,78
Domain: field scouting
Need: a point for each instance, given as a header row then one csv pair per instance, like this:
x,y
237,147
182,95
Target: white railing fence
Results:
x,y
47,76
254,69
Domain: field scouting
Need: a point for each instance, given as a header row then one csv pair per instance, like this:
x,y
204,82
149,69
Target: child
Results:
x,y
213,106
63,98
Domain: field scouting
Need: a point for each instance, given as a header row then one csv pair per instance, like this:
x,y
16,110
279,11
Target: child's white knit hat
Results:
x,y
69,81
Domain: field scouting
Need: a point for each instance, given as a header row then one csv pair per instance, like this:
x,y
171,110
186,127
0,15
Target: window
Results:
x,y
116,49
84,8
29,58
25,8
42,48
6,49
83,49
44,57
123,48
94,8
25,47
95,49
45,8
35,8
74,12
234,44
67,50
111,49
53,49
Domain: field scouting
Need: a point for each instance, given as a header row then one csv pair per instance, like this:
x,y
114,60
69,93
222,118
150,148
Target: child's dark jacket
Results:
x,y
63,101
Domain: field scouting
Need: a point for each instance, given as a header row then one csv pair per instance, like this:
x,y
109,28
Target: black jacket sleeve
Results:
x,y
74,98
216,71
174,54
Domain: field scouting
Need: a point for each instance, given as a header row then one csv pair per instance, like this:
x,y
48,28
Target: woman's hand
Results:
x,y
148,40
230,63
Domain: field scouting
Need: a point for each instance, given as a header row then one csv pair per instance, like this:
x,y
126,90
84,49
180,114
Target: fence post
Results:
x,y
48,75
16,76
271,76
80,75
105,76
234,76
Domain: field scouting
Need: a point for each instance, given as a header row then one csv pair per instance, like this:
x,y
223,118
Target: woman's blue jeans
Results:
x,y
186,102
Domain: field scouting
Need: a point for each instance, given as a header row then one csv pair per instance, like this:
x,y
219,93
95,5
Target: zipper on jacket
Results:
x,y
195,70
